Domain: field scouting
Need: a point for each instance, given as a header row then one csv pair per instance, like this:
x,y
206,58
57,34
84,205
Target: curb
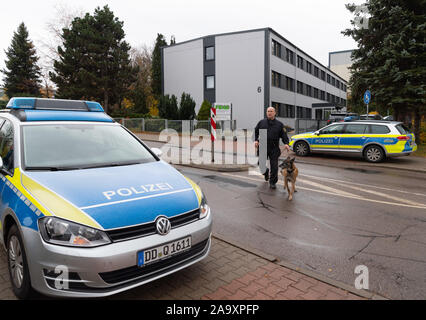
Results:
x,y
217,168
363,164
362,293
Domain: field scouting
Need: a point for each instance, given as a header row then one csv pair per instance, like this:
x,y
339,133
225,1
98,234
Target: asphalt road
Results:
x,y
340,218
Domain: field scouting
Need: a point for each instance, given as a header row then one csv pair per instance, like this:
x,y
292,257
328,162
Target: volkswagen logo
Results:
x,y
163,225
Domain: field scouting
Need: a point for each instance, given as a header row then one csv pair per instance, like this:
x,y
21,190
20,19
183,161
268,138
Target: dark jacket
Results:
x,y
276,131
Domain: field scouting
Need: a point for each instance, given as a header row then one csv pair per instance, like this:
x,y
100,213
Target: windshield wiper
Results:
x,y
52,168
112,164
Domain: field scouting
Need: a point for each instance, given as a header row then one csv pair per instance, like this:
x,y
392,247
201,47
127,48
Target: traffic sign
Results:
x,y
367,97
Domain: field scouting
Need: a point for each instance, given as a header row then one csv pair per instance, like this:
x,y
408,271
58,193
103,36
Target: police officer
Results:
x,y
275,132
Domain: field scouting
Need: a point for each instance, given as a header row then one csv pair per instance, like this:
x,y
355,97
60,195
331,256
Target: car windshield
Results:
x,y
80,146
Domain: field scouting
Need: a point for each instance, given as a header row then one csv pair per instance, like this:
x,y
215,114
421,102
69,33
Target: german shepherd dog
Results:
x,y
290,172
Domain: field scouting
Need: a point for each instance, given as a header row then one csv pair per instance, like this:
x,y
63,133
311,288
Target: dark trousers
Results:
x,y
273,171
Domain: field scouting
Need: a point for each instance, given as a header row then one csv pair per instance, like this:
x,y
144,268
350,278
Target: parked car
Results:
x,y
371,116
86,208
340,116
373,140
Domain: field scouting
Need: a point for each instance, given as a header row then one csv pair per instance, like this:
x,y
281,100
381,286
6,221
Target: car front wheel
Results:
x,y
17,263
301,148
374,154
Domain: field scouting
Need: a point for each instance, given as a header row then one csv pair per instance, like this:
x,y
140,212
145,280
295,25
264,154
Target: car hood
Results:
x,y
303,135
114,197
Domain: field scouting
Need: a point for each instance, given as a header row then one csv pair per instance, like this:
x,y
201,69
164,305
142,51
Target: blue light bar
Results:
x,y
54,104
21,103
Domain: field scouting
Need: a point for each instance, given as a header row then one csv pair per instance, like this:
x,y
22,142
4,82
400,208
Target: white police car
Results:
x,y
86,208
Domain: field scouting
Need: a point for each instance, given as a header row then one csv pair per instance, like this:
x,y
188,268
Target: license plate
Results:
x,y
164,251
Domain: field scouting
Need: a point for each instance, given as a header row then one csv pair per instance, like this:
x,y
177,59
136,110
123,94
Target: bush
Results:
x,y
204,112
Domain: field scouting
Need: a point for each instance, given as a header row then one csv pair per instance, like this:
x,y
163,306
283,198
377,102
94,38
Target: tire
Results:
x,y
301,148
374,154
17,265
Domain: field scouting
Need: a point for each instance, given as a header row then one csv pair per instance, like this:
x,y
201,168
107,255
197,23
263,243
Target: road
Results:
x,y
340,218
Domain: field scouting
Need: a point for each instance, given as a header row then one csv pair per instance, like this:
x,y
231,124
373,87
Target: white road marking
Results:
x,y
340,194
365,185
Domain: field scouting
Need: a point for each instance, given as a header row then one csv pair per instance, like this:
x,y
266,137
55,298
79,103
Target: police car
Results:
x,y
373,140
86,208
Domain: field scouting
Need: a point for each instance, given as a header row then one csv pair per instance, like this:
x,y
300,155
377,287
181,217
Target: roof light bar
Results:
x,y
54,104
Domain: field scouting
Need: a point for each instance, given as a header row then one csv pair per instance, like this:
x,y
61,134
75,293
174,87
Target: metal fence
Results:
x,y
157,125
307,125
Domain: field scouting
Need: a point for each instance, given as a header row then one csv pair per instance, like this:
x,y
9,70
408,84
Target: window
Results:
x,y
337,84
322,75
80,145
328,78
356,128
6,145
289,84
322,95
209,53
304,113
316,93
378,129
316,71
289,56
209,82
308,67
333,81
328,97
284,110
276,49
300,62
402,129
308,90
276,79
333,129
299,87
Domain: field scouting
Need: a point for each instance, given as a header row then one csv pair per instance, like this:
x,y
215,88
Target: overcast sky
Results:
x,y
313,25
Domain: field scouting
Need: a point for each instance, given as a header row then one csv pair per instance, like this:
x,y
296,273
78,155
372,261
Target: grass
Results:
x,y
421,151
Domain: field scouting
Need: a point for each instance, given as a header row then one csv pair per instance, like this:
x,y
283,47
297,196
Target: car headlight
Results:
x,y
204,207
66,233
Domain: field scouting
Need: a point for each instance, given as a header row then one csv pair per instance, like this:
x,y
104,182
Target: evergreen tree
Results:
x,y
391,58
168,107
204,112
187,107
22,75
94,60
156,65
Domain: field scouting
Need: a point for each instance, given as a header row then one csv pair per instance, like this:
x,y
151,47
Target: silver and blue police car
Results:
x,y
86,208
373,140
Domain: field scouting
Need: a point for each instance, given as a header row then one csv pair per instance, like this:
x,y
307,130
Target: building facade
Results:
x,y
253,70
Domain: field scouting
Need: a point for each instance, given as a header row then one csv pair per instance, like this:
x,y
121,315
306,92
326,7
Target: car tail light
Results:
x,y
403,138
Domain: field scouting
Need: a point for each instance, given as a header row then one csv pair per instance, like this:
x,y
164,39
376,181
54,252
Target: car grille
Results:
x,y
149,228
159,267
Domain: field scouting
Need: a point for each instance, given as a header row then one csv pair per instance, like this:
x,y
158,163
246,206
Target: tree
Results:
x,y
168,107
391,57
187,107
141,91
22,74
157,65
204,112
94,60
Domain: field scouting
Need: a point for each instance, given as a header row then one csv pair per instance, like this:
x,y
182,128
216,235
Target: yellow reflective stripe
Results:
x,y
56,204
16,182
196,188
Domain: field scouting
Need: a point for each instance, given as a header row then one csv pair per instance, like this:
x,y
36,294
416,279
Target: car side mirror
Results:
x,y
157,152
317,133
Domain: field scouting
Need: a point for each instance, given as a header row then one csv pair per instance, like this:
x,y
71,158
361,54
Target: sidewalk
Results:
x,y
407,163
